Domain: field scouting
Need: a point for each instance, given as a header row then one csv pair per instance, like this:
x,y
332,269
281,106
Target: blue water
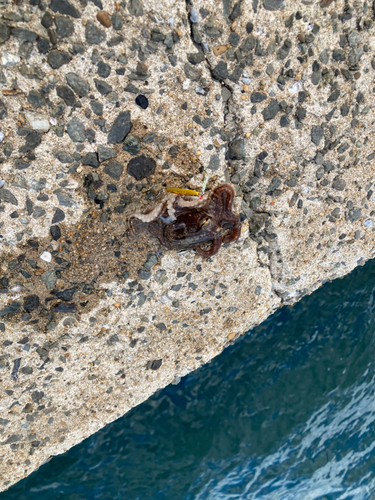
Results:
x,y
288,412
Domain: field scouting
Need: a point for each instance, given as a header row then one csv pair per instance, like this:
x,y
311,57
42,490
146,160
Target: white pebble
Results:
x,y
171,22
368,223
185,84
46,256
194,18
199,90
246,81
296,87
9,59
2,182
1,137
53,121
37,121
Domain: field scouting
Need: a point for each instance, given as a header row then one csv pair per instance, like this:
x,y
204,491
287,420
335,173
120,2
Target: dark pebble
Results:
x,y
30,303
76,130
339,184
4,32
334,96
33,139
24,35
91,159
94,35
58,216
271,110
106,153
65,7
55,232
220,71
103,69
144,275
141,167
78,84
120,128
131,88
57,58
97,107
155,364
257,97
21,164
43,45
142,101
46,20
103,87
3,110
316,135
64,26
284,122
273,4
116,20
192,73
66,295
236,150
65,308
114,169
90,135
66,94
63,156
12,308
132,144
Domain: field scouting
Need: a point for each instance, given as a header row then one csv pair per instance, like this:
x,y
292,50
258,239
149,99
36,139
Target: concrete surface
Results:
x,y
274,97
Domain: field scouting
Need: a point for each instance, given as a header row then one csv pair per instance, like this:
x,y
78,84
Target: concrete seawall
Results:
x,y
105,104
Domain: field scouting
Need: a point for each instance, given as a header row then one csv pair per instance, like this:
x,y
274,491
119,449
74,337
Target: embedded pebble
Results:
x,y
104,18
120,128
141,167
37,121
76,130
46,256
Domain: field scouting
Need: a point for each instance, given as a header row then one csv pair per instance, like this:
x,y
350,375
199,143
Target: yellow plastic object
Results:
x,y
184,192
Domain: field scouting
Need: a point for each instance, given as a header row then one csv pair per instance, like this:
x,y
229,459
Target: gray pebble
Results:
x,y
7,197
91,159
220,71
194,74
76,130
65,7
79,85
132,144
120,128
66,94
116,20
273,4
94,35
135,8
144,275
316,135
114,169
339,184
3,110
103,69
236,150
58,216
4,32
64,26
103,87
49,279
24,35
271,110
106,153
57,58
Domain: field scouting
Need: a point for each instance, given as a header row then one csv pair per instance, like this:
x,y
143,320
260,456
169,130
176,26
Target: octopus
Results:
x,y
201,223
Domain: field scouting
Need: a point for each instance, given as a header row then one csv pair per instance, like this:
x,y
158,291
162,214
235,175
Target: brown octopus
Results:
x,y
201,223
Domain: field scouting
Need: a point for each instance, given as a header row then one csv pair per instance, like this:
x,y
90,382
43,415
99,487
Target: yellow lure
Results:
x,y
184,192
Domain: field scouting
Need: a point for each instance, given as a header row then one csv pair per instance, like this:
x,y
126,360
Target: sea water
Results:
x,y
287,412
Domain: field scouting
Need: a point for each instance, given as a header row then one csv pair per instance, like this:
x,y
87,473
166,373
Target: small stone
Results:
x,y
91,159
93,34
24,35
66,94
46,256
76,130
120,128
66,295
8,59
106,153
58,216
3,110
69,308
236,150
114,169
284,122
334,96
271,110
49,279
339,184
65,7
144,275
33,139
273,4
257,97
132,144
135,8
117,22
104,18
57,58
63,156
46,20
55,232
78,84
12,308
36,99
64,26
30,303
368,223
38,212
316,135
142,101
194,74
7,197
103,69
4,32
220,71
103,87
141,167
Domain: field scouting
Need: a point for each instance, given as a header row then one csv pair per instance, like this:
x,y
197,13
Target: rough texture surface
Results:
x,y
274,97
